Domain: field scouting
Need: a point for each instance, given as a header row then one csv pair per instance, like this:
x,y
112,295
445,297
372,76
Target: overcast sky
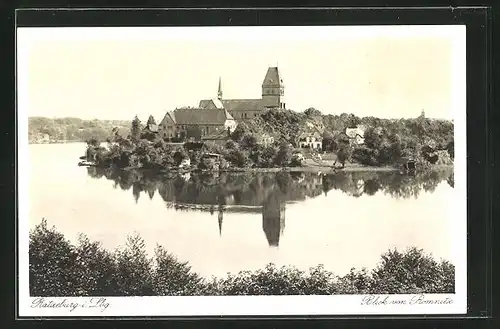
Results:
x,y
116,73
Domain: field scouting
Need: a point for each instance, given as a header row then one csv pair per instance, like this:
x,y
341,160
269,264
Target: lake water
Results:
x,y
245,221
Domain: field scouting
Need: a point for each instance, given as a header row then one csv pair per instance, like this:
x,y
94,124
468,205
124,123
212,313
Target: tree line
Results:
x,y
387,142
45,130
143,148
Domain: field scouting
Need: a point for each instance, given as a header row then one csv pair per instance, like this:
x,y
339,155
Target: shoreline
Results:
x,y
309,169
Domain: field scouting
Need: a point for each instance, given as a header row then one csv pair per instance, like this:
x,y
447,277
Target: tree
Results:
x,y
329,143
151,120
136,129
365,156
343,154
230,145
268,155
93,142
352,121
312,112
237,158
248,141
179,156
412,271
238,133
284,155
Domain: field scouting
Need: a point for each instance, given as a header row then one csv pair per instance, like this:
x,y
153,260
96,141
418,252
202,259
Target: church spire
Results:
x,y
220,217
219,91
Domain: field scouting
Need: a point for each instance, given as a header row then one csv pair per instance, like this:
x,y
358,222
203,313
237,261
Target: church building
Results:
x,y
273,97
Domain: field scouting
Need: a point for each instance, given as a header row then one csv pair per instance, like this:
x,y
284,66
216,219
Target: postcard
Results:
x,y
236,171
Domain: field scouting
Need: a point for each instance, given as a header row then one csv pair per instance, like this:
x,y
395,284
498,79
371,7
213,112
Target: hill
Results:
x,y
386,141
54,130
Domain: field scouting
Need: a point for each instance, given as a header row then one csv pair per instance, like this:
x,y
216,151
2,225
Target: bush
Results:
x,y
172,277
52,263
58,268
365,156
237,157
412,271
133,269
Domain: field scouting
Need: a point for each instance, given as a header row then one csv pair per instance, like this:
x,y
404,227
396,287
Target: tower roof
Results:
x,y
219,90
273,78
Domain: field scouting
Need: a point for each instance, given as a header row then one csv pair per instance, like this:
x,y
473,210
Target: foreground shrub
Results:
x,y
172,277
412,272
58,268
52,263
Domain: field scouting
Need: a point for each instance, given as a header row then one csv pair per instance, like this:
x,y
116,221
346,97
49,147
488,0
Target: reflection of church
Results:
x,y
273,222
273,219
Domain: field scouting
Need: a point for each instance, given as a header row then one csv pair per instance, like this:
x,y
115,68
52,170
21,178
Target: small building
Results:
x,y
311,140
196,123
212,161
356,135
265,139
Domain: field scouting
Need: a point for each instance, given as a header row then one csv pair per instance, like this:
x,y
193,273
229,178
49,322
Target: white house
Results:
x,y
311,140
356,135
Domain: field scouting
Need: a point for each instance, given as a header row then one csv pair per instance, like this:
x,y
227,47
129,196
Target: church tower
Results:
x,y
219,91
273,89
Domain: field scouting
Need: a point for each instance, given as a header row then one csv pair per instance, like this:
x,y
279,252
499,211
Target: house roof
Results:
x,y
273,78
152,127
310,134
353,132
216,136
204,103
242,104
198,116
168,118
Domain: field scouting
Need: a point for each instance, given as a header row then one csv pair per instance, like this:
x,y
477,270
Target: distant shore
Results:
x,y
55,142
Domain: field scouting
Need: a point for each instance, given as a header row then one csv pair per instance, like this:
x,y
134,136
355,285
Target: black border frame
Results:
x,y
479,113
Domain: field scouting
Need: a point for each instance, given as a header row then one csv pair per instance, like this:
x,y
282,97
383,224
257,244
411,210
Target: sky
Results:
x,y
117,73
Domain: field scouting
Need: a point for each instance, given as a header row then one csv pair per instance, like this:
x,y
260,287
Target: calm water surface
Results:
x,y
232,222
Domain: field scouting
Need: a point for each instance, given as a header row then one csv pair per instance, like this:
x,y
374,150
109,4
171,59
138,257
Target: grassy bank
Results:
x,y
59,268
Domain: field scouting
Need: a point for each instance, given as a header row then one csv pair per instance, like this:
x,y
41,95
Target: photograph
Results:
x,y
241,170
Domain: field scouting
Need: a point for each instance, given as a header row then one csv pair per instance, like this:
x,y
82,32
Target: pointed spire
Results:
x,y
220,222
219,91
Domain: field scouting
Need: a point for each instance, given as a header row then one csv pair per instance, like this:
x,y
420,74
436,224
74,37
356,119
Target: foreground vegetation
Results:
x,y
59,268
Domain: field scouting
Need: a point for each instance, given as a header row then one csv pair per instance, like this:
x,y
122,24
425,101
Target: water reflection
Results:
x,y
265,193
